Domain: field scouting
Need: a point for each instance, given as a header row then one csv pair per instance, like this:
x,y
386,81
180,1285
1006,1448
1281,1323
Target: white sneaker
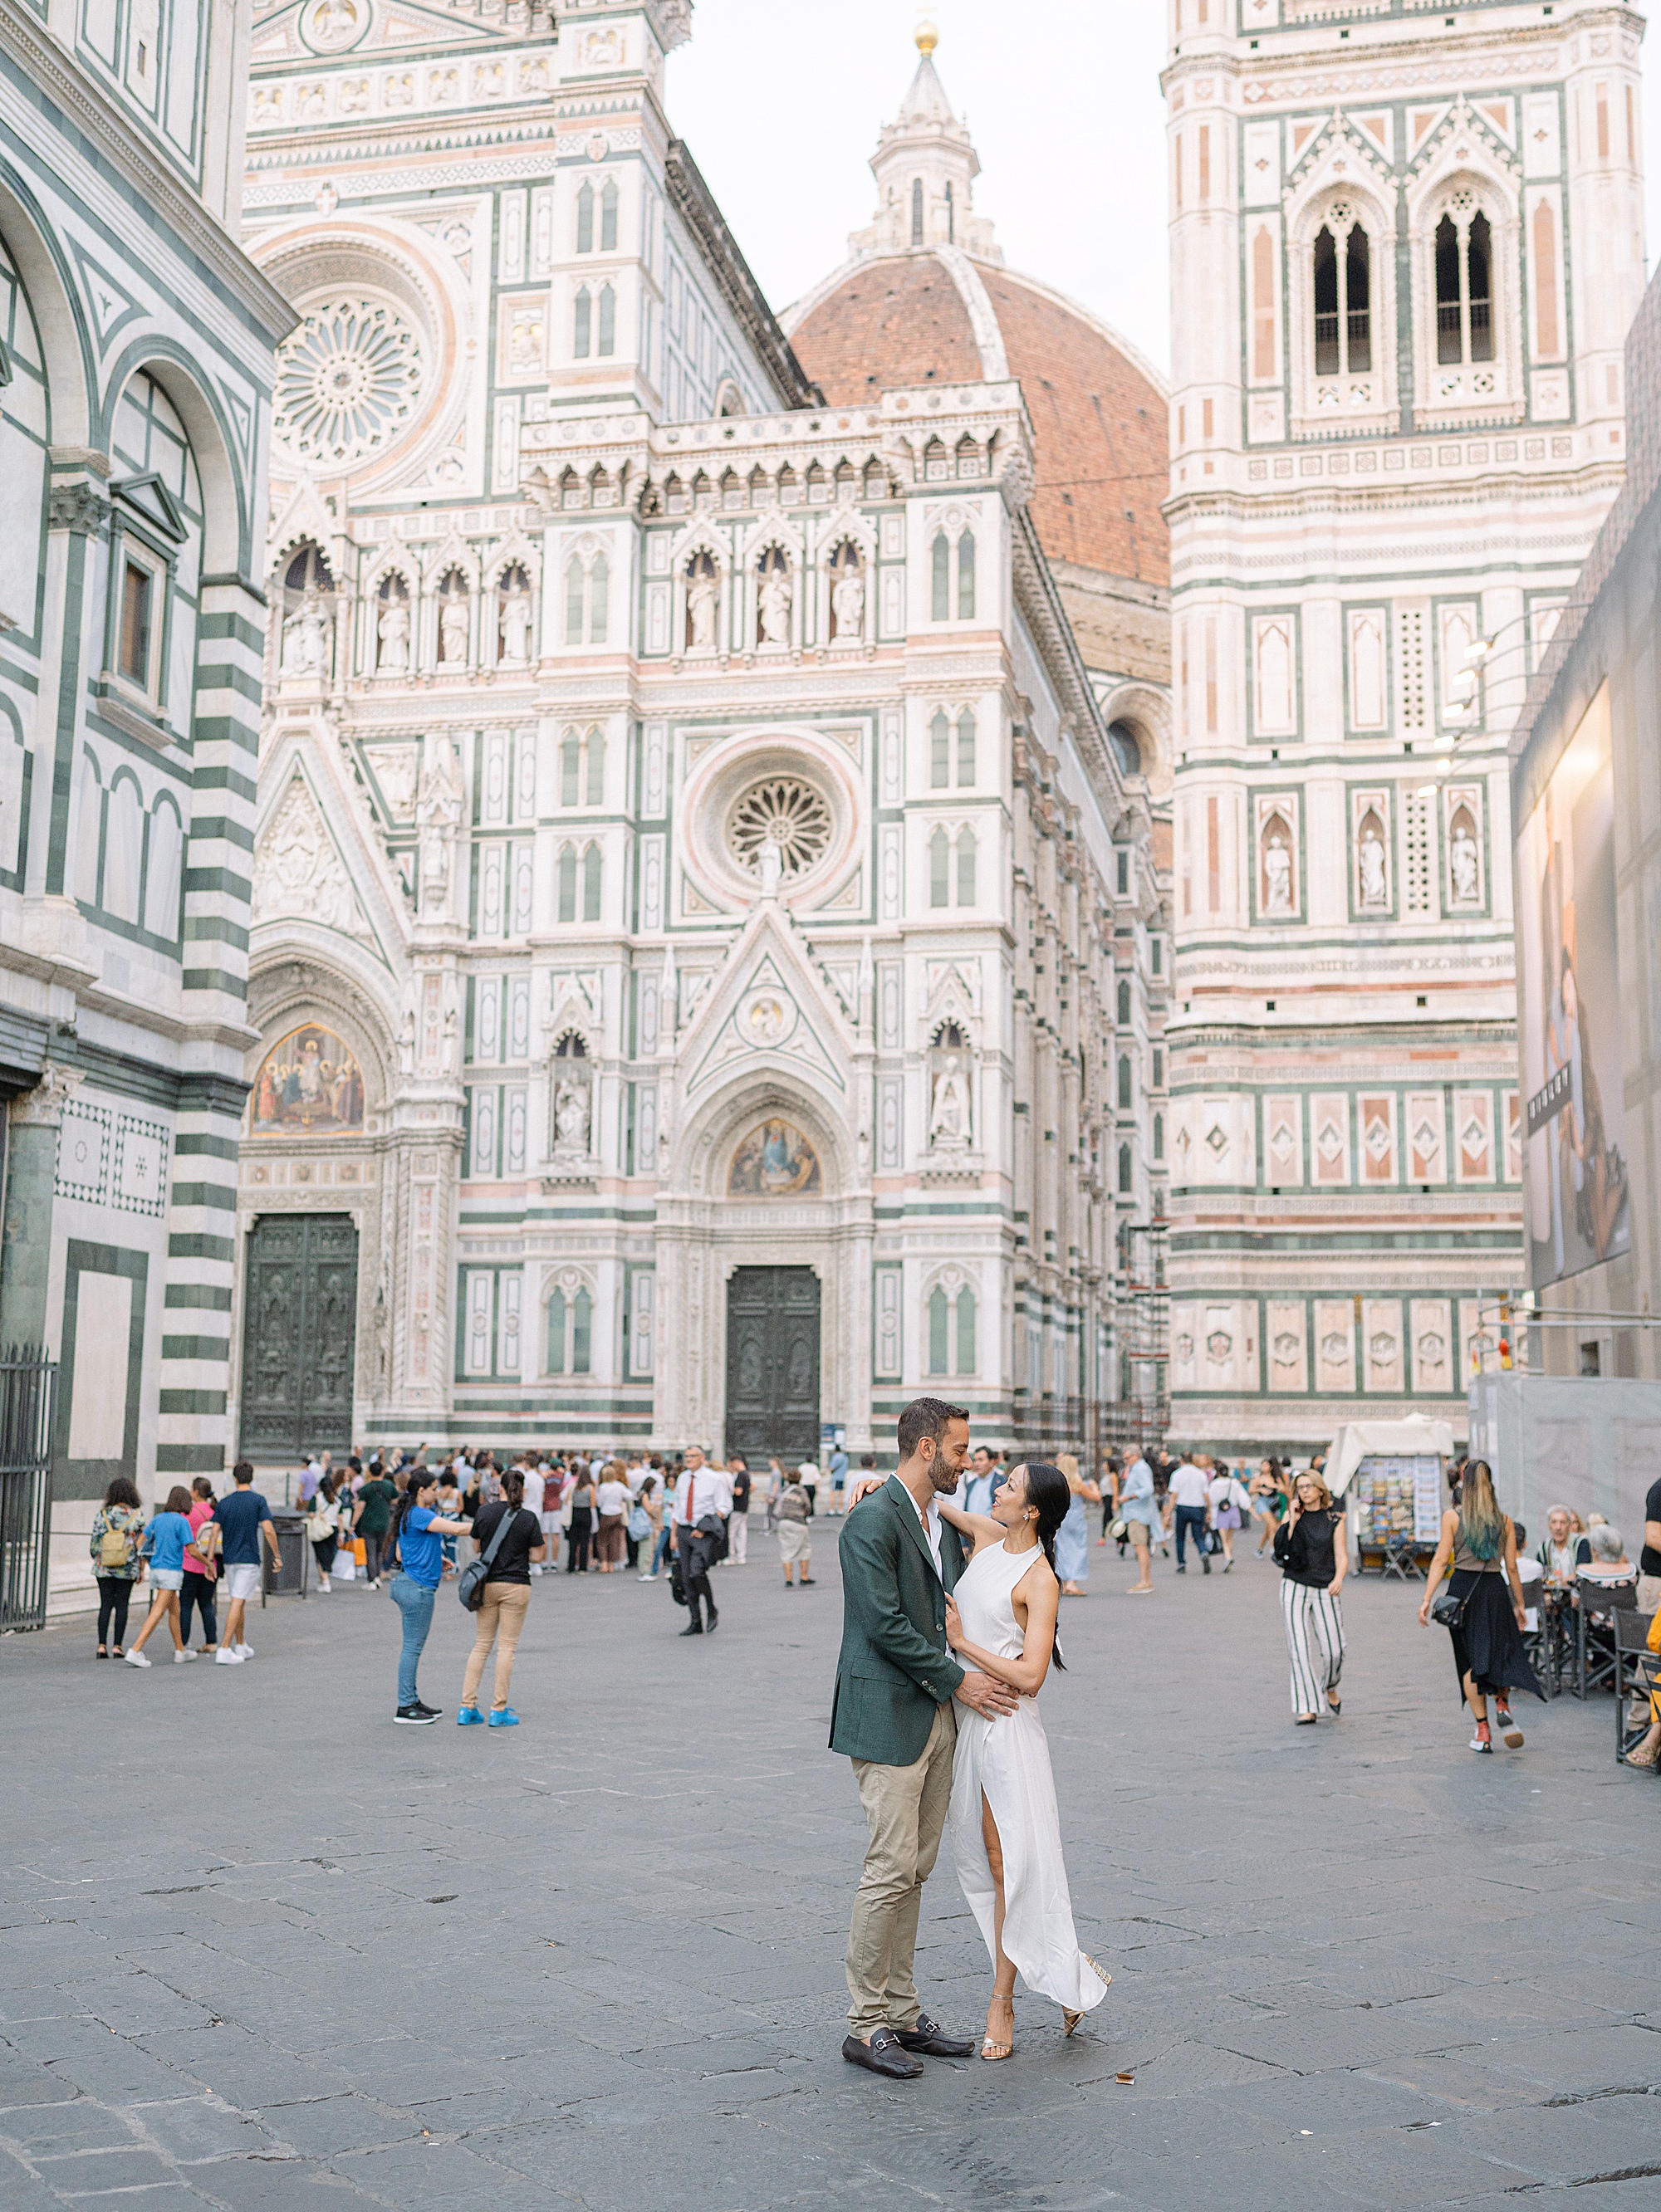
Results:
x,y
135,1659
225,1657
180,1657
244,1651
323,1587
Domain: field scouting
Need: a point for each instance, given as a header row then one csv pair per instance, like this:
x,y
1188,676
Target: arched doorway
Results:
x,y
299,1336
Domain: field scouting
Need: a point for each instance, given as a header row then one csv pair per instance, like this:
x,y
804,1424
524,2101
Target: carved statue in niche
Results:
x,y
438,816
1375,884
513,618
392,628
305,637
950,1105
453,622
1277,871
571,1100
774,597
703,603
847,596
1463,863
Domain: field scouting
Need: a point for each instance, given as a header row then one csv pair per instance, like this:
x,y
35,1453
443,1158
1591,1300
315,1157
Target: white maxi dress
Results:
x,y
1009,1760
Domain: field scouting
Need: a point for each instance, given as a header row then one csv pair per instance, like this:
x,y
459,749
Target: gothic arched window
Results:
x,y
967,855
608,218
567,882
599,587
585,220
1125,1085
582,324
1124,1170
1343,297
1124,1004
1159,1136
582,1332
966,576
1464,285
940,869
574,582
596,783
916,210
608,321
938,1332
942,578
939,752
966,1359
966,748
570,770
951,218
591,864
555,1359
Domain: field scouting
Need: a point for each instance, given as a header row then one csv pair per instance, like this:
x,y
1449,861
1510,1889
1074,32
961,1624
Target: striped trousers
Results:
x,y
1315,1642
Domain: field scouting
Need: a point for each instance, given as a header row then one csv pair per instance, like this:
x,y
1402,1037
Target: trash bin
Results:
x,y
291,1578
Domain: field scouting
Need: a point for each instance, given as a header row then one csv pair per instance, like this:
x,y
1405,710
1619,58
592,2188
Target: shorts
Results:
x,y
793,1543
1226,1517
1139,1532
168,1577
242,1581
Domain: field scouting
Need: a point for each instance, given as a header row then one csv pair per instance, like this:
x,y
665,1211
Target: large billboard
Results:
x,y
1578,1204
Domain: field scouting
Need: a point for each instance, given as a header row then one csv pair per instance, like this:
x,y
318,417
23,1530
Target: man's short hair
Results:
x,y
867,1459
925,1417
243,1471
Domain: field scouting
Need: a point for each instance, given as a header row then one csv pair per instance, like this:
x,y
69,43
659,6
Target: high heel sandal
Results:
x,y
1069,2018
991,2047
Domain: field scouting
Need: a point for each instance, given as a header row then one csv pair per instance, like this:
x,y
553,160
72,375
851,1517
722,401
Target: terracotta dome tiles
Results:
x,y
1100,421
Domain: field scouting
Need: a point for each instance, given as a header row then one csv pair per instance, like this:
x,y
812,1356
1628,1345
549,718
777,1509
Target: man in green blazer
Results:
x,y
892,1716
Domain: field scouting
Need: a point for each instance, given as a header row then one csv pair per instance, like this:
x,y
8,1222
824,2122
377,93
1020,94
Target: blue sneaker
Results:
x,y
469,1717
505,1718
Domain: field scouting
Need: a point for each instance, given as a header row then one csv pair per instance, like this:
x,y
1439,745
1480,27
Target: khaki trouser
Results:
x,y
905,1809
500,1618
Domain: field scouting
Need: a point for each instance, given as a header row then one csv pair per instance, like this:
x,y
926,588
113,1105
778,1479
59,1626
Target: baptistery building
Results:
x,y
709,927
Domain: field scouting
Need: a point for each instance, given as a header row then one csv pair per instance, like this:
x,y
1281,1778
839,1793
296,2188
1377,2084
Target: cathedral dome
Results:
x,y
925,298
933,314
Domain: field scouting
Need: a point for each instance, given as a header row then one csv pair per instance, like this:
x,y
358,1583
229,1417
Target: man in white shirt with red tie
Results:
x,y
704,1495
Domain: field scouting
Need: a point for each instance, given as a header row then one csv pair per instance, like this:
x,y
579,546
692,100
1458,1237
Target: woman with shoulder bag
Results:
x,y
117,1526
506,1598
323,1529
1311,1552
202,1555
1484,1619
581,1522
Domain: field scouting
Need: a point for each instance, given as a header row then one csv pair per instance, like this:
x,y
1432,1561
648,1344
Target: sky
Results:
x,y
781,102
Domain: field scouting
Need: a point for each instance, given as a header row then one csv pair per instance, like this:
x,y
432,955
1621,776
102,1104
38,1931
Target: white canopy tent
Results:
x,y
1415,1435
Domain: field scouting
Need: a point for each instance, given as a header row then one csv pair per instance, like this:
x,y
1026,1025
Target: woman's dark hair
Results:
x,y
421,1479
178,1499
329,1488
203,1489
122,1492
1048,1488
513,1488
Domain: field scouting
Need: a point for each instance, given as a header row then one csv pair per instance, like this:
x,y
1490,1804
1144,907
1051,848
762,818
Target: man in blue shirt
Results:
x,y
246,1519
838,1480
1138,1509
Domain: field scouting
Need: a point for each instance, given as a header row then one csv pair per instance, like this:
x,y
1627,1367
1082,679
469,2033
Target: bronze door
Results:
x,y
773,1365
299,1334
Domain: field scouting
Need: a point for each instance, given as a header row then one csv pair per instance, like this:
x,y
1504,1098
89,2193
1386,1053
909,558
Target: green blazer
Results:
x,y
894,1668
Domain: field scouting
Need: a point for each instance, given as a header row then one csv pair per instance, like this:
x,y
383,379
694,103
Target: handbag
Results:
x,y
676,1579
639,1523
470,1583
1447,1610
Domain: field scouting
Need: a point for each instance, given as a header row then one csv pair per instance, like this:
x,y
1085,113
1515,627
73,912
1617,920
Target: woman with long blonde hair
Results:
x,y
1478,1551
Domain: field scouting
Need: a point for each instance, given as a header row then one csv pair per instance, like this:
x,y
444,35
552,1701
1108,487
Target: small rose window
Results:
x,y
790,812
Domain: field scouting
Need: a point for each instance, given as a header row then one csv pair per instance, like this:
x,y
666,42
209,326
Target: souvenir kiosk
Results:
x,y
1392,1479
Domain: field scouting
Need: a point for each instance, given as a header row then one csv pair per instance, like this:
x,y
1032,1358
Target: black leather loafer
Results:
x,y
931,2039
882,2055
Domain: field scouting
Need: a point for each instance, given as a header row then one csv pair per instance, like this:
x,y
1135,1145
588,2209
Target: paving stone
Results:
x,y
634,1971
130,2167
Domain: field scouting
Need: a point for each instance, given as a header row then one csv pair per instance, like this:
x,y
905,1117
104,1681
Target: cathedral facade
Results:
x,y
709,929
135,368
1406,245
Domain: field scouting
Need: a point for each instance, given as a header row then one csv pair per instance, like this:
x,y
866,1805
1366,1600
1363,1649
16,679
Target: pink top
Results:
x,y
200,1512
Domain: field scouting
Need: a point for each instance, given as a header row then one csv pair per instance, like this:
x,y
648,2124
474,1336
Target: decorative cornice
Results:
x,y
161,188
80,507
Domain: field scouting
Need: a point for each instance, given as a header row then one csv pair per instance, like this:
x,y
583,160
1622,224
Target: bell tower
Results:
x,y
1406,244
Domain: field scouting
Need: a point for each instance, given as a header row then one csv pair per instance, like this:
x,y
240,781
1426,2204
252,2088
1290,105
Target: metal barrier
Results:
x,y
28,1420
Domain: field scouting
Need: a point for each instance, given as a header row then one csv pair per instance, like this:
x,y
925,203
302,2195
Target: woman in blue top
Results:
x,y
164,1547
415,1540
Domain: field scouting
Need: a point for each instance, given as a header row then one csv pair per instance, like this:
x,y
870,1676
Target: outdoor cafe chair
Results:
x,y
1594,1630
1637,1673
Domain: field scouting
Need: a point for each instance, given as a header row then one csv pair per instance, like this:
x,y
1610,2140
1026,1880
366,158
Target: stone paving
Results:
x,y
259,1948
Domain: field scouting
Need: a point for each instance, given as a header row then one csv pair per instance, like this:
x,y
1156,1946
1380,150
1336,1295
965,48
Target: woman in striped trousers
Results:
x,y
1311,1553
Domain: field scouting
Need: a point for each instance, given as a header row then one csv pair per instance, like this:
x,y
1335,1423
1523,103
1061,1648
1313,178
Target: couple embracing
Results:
x,y
948,1630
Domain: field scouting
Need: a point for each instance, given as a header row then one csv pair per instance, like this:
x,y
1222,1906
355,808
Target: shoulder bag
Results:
x,y
469,1584
1447,1610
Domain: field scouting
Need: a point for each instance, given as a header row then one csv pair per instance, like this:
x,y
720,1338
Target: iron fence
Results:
x,y
28,1417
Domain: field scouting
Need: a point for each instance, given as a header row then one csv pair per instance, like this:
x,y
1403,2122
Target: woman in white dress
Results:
x,y
1005,1829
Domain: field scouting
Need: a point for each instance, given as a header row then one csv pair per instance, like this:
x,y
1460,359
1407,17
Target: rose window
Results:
x,y
347,381
791,813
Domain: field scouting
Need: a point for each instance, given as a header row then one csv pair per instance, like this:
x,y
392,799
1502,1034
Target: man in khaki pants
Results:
x,y
892,1716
